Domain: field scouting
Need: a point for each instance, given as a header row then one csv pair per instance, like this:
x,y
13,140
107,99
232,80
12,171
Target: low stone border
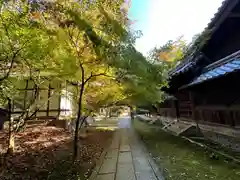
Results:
x,y
157,171
204,146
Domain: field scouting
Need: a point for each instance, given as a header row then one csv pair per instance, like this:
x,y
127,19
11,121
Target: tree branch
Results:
x,y
7,33
93,75
96,75
12,61
74,83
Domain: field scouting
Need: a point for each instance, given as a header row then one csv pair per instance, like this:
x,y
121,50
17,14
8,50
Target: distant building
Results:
x,y
206,85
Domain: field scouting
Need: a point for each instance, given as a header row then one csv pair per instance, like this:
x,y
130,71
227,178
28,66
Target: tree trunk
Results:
x,y
155,109
79,117
11,144
75,143
82,127
131,113
107,113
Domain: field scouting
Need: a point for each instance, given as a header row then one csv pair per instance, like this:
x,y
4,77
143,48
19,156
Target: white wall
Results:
x,y
66,103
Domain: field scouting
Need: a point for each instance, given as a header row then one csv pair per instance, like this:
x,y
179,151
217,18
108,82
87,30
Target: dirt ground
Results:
x,y
45,152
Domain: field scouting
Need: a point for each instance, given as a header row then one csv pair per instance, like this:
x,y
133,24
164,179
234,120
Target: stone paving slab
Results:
x,y
112,153
114,146
137,152
145,176
108,166
141,164
127,159
106,176
115,142
125,141
125,148
125,171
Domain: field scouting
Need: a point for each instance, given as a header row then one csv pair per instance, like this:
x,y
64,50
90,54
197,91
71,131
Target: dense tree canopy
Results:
x,y
88,44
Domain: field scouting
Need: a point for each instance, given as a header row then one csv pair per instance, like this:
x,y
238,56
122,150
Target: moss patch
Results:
x,y
182,160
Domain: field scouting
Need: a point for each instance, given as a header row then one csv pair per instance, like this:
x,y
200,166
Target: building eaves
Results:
x,y
213,25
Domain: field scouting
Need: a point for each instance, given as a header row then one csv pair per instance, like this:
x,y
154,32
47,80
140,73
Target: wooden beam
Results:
x,y
219,108
234,108
192,105
234,15
43,110
165,109
223,14
212,108
185,119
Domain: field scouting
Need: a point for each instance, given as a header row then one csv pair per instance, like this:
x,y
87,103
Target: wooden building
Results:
x,y
50,99
207,83
53,99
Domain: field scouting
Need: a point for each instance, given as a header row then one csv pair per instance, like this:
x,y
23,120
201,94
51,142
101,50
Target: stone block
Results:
x,y
125,172
125,157
108,166
105,176
125,148
112,153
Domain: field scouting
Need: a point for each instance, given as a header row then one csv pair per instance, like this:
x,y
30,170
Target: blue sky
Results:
x,y
163,20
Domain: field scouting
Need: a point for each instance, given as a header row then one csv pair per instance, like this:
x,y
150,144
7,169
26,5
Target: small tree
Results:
x,y
85,33
24,51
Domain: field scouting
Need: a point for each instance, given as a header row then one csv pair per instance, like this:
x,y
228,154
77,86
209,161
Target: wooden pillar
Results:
x,y
25,95
232,118
11,144
49,94
202,115
36,96
176,109
172,110
193,108
59,100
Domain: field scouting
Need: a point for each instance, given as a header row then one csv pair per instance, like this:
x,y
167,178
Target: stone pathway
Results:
x,y
126,159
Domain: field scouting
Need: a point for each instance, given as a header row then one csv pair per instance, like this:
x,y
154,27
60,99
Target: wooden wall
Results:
x,y
225,40
168,109
48,98
216,101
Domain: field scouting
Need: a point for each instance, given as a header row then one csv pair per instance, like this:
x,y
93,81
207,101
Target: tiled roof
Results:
x,y
224,69
220,10
184,66
190,62
217,69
